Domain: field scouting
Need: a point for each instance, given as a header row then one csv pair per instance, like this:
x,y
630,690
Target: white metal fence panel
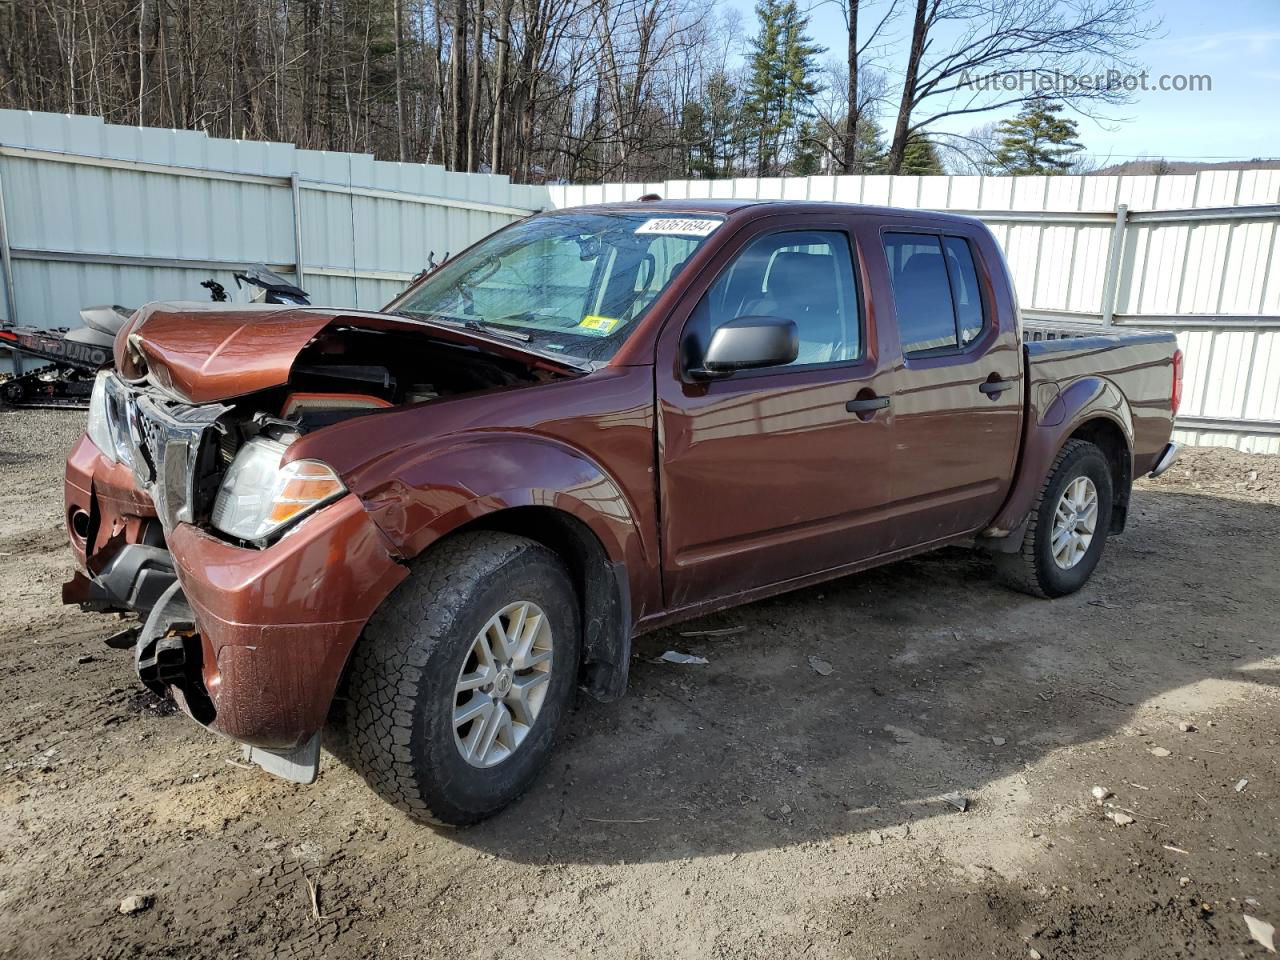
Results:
x,y
95,213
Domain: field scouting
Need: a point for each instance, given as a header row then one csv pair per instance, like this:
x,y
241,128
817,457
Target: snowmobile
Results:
x,y
72,358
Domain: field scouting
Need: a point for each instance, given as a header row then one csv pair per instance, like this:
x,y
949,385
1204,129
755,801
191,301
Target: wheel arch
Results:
x,y
1107,435
600,579
1092,409
602,585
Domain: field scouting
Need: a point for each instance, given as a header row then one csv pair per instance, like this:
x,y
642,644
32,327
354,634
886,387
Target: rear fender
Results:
x,y
1075,406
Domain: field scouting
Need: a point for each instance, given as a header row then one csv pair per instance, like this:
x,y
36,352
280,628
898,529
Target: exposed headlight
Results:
x,y
258,496
108,428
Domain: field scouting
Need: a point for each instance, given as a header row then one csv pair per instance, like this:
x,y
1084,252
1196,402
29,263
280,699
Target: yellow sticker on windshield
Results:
x,y
600,325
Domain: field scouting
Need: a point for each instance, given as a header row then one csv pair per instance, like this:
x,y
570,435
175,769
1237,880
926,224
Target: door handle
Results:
x,y
993,388
867,405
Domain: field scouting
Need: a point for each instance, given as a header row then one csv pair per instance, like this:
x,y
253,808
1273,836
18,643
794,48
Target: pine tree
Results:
x,y
870,153
921,159
781,86
1037,141
695,134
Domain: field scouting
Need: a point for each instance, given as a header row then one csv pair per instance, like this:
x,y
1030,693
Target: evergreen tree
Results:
x,y
1037,140
870,153
921,159
869,150
695,134
781,86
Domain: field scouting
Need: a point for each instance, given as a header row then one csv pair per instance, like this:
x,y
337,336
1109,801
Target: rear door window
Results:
x,y
935,291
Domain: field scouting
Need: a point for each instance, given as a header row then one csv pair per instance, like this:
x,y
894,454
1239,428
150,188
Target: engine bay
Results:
x,y
223,465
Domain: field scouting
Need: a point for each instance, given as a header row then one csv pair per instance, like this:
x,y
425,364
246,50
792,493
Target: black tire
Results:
x,y
1032,569
401,685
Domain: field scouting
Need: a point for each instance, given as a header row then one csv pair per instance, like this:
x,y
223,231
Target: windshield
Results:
x,y
572,284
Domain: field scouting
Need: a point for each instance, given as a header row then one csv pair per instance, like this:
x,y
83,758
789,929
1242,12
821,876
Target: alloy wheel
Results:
x,y
502,684
1074,521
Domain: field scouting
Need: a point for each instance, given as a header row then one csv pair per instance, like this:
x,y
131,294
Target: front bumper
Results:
x,y
114,535
276,626
259,654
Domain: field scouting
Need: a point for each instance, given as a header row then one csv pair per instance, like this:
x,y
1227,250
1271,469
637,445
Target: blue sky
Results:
x,y
1236,42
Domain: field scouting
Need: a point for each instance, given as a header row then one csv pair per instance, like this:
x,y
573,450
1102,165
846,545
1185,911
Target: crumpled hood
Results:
x,y
207,352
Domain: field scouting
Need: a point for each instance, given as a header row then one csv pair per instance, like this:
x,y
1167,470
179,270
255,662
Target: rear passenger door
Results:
x,y
957,398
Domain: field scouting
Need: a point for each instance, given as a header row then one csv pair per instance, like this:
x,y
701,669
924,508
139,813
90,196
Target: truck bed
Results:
x,y
1136,366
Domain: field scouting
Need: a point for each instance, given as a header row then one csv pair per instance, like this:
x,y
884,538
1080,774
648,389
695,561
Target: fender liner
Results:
x,y
607,653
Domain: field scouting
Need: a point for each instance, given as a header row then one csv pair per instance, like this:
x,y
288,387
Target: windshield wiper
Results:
x,y
469,323
497,331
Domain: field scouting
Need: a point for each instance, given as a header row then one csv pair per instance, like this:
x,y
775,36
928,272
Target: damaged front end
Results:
x,y
254,570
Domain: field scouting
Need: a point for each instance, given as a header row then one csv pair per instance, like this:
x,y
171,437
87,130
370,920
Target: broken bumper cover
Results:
x,y
270,630
114,534
133,579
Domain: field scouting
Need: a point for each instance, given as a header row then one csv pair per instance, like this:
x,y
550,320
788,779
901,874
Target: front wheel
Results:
x,y
1068,527
462,677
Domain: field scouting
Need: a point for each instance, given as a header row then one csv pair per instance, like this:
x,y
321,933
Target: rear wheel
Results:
x,y
460,682
1068,528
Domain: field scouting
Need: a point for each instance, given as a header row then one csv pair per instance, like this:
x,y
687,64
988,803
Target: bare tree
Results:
x,y
998,49
855,54
538,89
402,134
500,85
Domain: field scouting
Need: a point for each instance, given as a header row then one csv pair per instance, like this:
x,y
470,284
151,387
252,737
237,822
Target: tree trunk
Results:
x,y
473,111
901,130
500,85
849,153
439,132
402,134
457,86
142,59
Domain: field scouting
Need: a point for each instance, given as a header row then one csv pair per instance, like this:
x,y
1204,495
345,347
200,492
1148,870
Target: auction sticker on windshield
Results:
x,y
679,226
600,325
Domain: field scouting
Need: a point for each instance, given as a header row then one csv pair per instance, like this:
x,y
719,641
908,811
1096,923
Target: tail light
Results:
x,y
1176,400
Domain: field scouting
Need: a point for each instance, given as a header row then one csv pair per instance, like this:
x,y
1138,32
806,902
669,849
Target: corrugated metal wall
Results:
x,y
1194,254
96,213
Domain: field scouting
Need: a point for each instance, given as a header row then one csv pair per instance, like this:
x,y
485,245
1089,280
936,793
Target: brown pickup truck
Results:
x,y
421,529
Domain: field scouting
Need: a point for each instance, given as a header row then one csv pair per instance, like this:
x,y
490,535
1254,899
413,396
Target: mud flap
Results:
x,y
301,764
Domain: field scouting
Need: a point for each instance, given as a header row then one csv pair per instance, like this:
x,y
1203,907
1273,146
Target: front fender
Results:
x,y
1083,400
446,487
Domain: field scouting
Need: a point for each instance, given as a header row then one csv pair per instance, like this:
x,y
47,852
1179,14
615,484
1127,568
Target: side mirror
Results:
x,y
747,343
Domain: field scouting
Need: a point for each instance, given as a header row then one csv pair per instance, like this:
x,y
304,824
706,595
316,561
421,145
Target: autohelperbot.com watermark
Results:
x,y
1057,82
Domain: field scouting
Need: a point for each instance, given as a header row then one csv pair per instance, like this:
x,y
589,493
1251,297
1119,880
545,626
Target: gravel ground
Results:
x,y
748,808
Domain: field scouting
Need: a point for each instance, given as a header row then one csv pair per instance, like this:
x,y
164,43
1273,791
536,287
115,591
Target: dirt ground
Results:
x,y
748,808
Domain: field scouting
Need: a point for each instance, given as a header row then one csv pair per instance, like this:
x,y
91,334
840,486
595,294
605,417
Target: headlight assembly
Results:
x,y
258,496
108,427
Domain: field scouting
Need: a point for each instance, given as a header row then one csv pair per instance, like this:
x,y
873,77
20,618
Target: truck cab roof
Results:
x,y
741,209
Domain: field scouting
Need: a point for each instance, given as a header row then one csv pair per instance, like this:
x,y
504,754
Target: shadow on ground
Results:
x,y
932,660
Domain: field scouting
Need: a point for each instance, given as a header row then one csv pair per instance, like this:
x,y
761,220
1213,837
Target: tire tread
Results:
x,y
389,663
1020,570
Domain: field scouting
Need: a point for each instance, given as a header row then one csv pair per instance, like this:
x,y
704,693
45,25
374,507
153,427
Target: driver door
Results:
x,y
773,474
